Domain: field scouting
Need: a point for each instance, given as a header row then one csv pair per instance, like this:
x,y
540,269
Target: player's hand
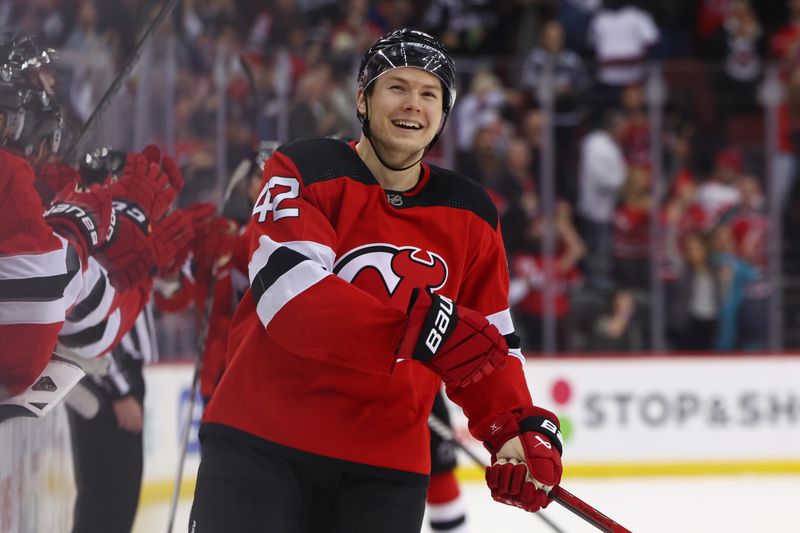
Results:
x,y
82,217
127,254
167,164
457,343
526,457
170,241
144,187
213,246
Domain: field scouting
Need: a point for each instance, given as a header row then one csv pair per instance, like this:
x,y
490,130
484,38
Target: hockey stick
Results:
x,y
113,89
558,494
445,433
582,509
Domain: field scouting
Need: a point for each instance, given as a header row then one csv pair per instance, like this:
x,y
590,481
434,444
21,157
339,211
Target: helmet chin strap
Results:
x,y
368,135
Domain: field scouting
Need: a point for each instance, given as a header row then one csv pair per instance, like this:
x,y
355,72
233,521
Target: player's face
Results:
x,y
405,110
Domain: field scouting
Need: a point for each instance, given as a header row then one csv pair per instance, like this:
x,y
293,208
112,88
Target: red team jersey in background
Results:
x,y
333,261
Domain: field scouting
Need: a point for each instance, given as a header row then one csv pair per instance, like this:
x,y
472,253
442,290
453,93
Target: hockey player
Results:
x,y
40,257
374,277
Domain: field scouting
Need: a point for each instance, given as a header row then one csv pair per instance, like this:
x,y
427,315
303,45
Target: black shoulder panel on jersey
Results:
x,y
450,189
326,159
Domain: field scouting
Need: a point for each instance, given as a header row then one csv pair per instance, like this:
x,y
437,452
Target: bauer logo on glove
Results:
x,y
84,219
444,322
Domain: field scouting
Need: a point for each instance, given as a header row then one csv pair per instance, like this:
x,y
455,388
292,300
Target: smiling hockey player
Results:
x,y
374,277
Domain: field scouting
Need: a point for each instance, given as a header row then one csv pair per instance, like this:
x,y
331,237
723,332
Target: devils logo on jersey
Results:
x,y
391,273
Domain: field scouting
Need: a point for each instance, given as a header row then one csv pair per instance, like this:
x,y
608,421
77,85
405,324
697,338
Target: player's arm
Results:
x,y
305,308
524,440
102,314
311,312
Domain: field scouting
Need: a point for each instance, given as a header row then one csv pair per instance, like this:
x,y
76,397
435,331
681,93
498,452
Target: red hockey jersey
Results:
x,y
33,276
333,260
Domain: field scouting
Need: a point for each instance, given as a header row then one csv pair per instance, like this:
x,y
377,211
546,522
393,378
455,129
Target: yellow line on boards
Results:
x,y
606,470
161,491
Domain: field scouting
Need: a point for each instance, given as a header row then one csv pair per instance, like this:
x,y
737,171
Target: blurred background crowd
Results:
x,y
642,154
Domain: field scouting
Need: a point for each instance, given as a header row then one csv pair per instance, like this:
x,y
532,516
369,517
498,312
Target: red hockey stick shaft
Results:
x,y
584,510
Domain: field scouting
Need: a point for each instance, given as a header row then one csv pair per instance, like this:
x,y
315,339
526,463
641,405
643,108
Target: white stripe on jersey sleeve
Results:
x,y
288,283
34,265
32,312
502,321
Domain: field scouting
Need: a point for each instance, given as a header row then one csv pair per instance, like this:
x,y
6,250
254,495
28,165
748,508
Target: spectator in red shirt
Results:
x,y
630,237
529,269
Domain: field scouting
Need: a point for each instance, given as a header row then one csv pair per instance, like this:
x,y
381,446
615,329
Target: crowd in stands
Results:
x,y
290,75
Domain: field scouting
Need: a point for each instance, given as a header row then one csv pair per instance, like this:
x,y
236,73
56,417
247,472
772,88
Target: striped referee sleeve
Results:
x,y
280,271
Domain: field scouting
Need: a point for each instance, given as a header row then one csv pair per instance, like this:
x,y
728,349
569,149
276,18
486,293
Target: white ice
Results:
x,y
725,504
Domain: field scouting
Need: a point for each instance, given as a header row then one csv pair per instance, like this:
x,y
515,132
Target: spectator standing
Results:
x,y
630,239
601,174
485,101
750,231
528,280
621,36
733,276
739,44
322,106
570,81
718,194
693,302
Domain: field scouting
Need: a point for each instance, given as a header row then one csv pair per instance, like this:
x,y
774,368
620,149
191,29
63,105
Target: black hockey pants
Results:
x,y
243,489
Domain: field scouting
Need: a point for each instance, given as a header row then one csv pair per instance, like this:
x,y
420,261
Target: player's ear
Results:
x,y
361,103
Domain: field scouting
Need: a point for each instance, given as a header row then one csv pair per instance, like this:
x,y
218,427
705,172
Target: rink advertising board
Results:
x,y
661,415
620,416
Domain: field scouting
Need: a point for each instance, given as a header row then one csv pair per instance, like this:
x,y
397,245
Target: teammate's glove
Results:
x,y
82,217
213,245
127,254
154,154
172,237
526,457
457,343
53,178
144,187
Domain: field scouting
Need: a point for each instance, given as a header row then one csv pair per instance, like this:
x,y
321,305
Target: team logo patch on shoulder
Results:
x,y
390,273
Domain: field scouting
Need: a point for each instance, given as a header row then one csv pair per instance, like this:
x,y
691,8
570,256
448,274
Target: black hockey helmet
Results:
x,y
30,97
13,91
410,48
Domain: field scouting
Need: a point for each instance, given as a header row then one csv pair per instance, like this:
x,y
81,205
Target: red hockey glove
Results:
x,y
53,178
526,450
81,217
170,240
142,183
457,343
127,254
213,246
154,155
